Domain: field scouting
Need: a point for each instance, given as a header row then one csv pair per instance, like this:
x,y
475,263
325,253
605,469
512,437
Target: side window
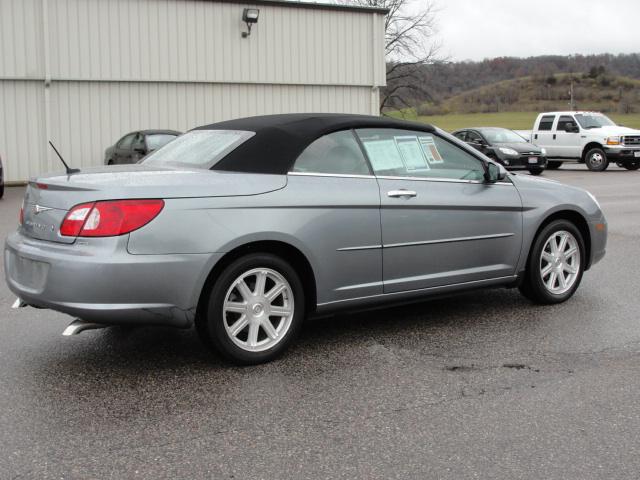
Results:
x,y
126,141
461,135
546,122
138,141
405,153
337,153
474,137
564,119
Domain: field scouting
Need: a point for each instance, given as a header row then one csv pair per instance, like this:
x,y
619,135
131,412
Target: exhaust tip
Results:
x,y
18,303
79,326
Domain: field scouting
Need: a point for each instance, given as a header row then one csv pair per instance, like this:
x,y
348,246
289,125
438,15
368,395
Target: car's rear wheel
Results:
x,y
555,265
2,190
536,171
255,309
596,160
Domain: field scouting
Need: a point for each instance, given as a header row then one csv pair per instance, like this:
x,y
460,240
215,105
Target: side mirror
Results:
x,y
494,172
571,128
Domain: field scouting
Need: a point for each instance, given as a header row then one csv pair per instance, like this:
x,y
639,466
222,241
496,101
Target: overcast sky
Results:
x,y
478,29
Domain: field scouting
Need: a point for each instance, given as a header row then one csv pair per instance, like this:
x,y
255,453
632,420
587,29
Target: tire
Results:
x,y
110,162
596,160
635,165
228,303
536,171
2,190
540,287
553,165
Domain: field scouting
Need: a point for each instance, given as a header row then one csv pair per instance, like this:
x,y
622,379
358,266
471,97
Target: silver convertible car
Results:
x,y
246,227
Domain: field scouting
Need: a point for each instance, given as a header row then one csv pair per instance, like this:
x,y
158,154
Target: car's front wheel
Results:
x,y
555,265
635,165
553,164
255,309
596,160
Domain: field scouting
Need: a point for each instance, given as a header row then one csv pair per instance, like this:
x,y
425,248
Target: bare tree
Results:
x,y
409,44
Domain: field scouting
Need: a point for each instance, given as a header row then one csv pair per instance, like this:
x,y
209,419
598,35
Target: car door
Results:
x,y
441,223
544,135
478,142
337,216
123,149
567,143
138,148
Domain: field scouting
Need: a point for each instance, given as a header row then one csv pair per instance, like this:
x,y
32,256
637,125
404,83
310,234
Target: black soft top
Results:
x,y
280,139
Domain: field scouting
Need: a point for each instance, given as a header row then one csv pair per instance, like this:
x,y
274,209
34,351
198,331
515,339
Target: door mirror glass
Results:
x,y
571,127
494,173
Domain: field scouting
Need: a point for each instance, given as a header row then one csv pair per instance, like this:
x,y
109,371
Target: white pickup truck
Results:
x,y
585,137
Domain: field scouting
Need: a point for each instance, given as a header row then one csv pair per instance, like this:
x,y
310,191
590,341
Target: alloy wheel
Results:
x,y
560,262
258,309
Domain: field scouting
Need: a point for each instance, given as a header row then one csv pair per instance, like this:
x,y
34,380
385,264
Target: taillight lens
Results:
x,y
21,218
109,218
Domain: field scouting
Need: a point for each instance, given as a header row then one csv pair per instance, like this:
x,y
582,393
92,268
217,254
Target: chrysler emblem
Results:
x,y
39,209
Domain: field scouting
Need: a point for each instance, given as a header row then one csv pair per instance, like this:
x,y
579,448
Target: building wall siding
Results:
x,y
84,72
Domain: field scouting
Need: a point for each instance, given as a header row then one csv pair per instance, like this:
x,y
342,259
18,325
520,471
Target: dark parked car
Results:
x,y
135,145
506,147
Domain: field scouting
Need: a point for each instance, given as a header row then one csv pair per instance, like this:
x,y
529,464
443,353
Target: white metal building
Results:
x,y
84,72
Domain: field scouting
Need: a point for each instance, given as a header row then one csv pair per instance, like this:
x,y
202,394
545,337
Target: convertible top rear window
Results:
x,y
198,148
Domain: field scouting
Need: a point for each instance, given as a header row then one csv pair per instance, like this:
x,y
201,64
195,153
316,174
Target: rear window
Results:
x,y
198,148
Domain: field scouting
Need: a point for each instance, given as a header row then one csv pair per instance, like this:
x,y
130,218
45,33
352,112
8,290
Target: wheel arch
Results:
x,y
588,147
284,250
578,220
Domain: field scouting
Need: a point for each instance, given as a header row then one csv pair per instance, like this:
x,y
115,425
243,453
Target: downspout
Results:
x,y
375,91
47,85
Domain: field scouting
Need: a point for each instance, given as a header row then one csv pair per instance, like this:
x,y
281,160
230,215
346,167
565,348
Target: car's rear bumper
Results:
x,y
99,281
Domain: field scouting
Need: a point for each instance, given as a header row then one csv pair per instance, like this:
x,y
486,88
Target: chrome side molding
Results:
x,y
79,326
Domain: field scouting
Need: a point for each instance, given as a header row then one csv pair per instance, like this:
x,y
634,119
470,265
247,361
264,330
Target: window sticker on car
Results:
x,y
384,154
430,150
411,153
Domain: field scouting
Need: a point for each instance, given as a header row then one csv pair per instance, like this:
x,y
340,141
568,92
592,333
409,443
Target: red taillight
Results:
x,y
109,218
21,218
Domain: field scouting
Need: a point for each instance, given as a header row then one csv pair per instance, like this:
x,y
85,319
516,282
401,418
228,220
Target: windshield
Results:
x,y
157,140
593,120
502,135
198,148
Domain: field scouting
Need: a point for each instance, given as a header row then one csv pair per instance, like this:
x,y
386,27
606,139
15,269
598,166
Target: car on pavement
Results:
x,y
506,147
245,227
586,137
132,147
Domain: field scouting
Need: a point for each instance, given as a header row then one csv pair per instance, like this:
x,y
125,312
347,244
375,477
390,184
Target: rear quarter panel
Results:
x,y
316,215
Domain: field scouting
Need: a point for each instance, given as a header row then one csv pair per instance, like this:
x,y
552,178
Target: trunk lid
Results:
x,y
48,198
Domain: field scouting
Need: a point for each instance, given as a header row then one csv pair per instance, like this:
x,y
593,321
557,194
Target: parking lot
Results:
x,y
482,385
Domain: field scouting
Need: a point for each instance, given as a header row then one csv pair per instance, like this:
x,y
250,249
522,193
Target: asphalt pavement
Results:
x,y
482,385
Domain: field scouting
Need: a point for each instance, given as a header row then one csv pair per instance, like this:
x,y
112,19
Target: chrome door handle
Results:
x,y
401,193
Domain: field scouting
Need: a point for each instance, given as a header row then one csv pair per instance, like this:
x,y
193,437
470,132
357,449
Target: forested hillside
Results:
x,y
604,82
